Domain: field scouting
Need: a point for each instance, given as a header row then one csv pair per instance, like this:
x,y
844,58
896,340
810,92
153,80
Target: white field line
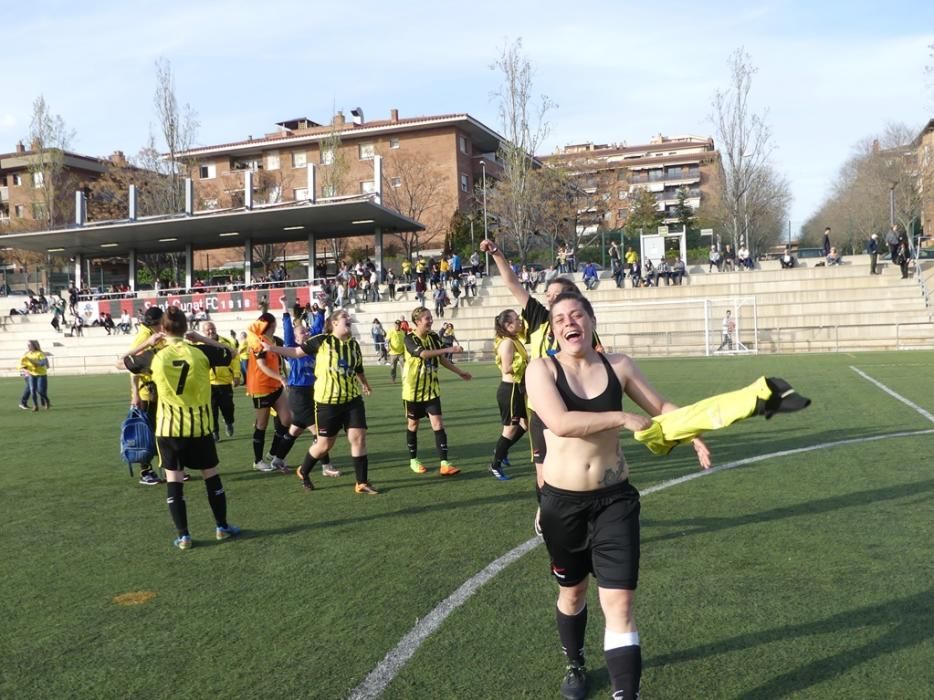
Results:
x,y
891,393
380,677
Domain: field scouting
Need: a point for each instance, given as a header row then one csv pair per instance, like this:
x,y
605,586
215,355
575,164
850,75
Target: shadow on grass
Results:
x,y
412,510
700,526
905,622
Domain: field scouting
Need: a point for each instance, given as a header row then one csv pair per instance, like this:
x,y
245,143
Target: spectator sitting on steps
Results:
x,y
834,258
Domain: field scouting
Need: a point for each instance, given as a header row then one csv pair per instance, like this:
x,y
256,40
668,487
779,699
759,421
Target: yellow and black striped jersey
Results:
x,y
145,378
420,376
225,375
520,358
181,373
396,340
337,364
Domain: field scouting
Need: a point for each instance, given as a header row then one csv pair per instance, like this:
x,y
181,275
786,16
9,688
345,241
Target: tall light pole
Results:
x,y
486,234
892,204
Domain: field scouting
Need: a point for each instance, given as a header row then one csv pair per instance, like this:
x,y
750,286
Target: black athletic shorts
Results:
x,y
332,417
537,438
593,532
267,400
511,399
414,410
302,403
187,453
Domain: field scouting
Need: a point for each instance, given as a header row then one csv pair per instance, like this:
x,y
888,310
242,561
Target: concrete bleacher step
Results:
x,y
799,310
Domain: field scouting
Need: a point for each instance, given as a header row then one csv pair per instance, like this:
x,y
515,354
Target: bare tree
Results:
x,y
524,129
334,181
555,213
178,126
414,187
745,141
49,139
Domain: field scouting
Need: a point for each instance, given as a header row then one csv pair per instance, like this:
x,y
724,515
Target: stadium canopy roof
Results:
x,y
278,223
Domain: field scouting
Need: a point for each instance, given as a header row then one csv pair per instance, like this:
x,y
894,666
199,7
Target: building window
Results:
x,y
272,160
329,191
465,183
251,164
395,182
19,211
368,187
462,142
17,180
623,194
38,179
299,159
210,203
327,156
38,211
621,214
300,194
367,151
207,171
394,142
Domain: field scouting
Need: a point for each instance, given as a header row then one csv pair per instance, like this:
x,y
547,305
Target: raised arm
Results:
x,y
519,293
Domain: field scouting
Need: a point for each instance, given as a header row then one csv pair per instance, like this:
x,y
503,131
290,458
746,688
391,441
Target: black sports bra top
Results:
x,y
610,400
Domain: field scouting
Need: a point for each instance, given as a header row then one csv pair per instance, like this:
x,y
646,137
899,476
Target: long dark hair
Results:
x,y
499,323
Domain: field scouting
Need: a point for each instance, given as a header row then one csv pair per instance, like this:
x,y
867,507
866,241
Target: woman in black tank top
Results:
x,y
589,510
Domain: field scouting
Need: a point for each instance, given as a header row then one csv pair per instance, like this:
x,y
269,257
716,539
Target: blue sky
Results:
x,y
829,75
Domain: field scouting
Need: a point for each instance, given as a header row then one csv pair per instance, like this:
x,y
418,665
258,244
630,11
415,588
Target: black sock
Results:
x,y
441,442
218,499
502,448
519,433
307,465
571,630
285,444
259,442
326,458
177,510
624,664
361,466
411,441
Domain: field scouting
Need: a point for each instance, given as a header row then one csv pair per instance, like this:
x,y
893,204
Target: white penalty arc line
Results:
x,y
386,670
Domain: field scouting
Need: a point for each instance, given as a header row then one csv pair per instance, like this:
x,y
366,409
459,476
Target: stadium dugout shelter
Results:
x,y
284,222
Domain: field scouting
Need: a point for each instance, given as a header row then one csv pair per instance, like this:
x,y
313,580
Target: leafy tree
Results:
x,y
644,216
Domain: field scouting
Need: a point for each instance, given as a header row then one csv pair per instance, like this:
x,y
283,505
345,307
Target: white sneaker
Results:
x,y
263,466
279,464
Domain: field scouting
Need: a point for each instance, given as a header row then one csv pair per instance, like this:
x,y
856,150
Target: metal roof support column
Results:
x,y
131,259
248,262
81,208
312,179
312,246
133,203
188,265
79,263
189,197
248,189
378,251
378,179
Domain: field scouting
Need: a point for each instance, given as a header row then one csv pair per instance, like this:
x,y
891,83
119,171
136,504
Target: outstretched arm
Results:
x,y
513,284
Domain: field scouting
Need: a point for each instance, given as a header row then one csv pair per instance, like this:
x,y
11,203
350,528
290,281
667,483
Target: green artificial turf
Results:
x,y
806,575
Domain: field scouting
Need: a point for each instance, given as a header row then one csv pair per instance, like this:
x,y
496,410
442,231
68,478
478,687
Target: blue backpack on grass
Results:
x,y
137,441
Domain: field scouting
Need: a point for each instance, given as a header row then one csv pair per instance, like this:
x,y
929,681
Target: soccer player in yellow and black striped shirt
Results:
x,y
142,390
181,372
339,380
511,358
421,390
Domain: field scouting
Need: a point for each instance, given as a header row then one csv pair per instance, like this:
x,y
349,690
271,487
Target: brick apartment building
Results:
x,y
430,165
924,148
613,173
22,200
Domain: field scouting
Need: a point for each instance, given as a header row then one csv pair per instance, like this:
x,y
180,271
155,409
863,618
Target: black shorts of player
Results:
x,y
267,400
332,417
511,399
414,410
302,403
537,438
187,453
593,532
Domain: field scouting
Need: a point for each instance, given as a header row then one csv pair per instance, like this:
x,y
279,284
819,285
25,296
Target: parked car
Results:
x,y
809,253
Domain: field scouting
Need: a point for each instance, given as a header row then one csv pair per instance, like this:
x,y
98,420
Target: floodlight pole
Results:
x,y
486,234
